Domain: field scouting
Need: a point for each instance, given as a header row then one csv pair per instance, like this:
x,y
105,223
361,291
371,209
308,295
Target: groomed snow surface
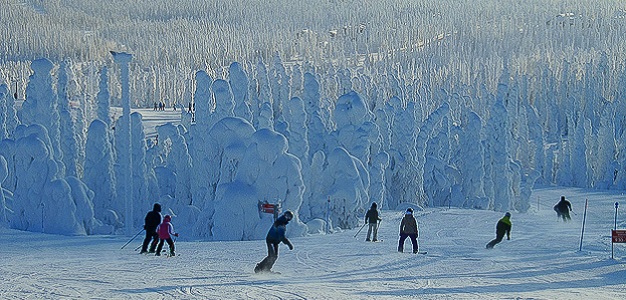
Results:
x,y
541,261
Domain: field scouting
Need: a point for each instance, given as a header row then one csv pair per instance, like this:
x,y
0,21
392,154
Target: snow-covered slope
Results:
x,y
541,261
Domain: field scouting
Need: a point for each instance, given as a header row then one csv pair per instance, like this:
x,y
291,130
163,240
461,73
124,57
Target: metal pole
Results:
x,y
583,230
328,215
357,233
132,238
616,206
614,228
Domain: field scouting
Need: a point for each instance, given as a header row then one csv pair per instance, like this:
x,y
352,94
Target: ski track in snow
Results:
x,y
541,261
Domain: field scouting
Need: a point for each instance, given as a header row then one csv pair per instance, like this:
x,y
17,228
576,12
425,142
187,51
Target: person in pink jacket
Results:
x,y
165,231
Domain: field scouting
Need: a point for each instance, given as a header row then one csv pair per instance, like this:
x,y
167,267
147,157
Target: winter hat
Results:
x,y
374,205
167,218
157,207
508,214
409,211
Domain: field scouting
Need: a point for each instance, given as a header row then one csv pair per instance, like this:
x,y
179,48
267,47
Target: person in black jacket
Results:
x,y
408,228
562,209
372,217
502,227
152,221
274,237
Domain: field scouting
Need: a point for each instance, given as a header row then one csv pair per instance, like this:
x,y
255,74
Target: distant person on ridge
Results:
x,y
408,228
562,209
372,217
166,230
152,221
275,236
502,227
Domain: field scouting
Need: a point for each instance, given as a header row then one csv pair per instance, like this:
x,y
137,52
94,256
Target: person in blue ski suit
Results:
x,y
274,237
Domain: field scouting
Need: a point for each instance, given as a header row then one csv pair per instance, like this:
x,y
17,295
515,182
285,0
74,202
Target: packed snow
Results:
x,y
461,117
541,260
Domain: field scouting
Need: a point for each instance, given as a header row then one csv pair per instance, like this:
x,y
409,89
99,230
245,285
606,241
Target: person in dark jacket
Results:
x,y
408,228
502,227
562,209
152,221
372,217
274,237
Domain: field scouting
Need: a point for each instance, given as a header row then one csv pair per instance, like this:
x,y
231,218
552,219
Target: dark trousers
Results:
x,y
403,237
268,262
565,215
499,237
150,235
169,242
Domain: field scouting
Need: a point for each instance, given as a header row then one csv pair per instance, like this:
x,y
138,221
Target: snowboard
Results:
x,y
268,272
257,270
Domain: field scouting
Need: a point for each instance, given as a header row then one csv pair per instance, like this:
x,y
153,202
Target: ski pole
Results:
x,y
357,233
138,247
132,238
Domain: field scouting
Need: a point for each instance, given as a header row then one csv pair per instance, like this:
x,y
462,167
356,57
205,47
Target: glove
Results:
x,y
176,234
290,247
144,227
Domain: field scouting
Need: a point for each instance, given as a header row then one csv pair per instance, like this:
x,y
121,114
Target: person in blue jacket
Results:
x,y
274,237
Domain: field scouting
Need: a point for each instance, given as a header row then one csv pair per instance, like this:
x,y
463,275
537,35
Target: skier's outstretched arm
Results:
x,y
288,243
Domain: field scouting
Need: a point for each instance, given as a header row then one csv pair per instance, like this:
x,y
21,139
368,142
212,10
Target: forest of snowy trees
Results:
x,y
460,119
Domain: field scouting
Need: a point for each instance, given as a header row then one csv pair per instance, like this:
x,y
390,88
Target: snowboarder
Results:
x,y
372,217
503,226
408,228
562,209
274,237
152,221
166,230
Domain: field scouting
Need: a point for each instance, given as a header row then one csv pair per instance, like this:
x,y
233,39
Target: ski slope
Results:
x,y
541,261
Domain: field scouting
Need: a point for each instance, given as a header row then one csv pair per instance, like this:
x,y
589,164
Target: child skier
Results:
x,y
166,230
372,217
503,226
274,237
408,228
152,221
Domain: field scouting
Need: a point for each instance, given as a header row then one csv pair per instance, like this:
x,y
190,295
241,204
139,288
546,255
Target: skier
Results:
x,y
372,218
274,237
408,228
503,226
562,209
152,221
166,230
